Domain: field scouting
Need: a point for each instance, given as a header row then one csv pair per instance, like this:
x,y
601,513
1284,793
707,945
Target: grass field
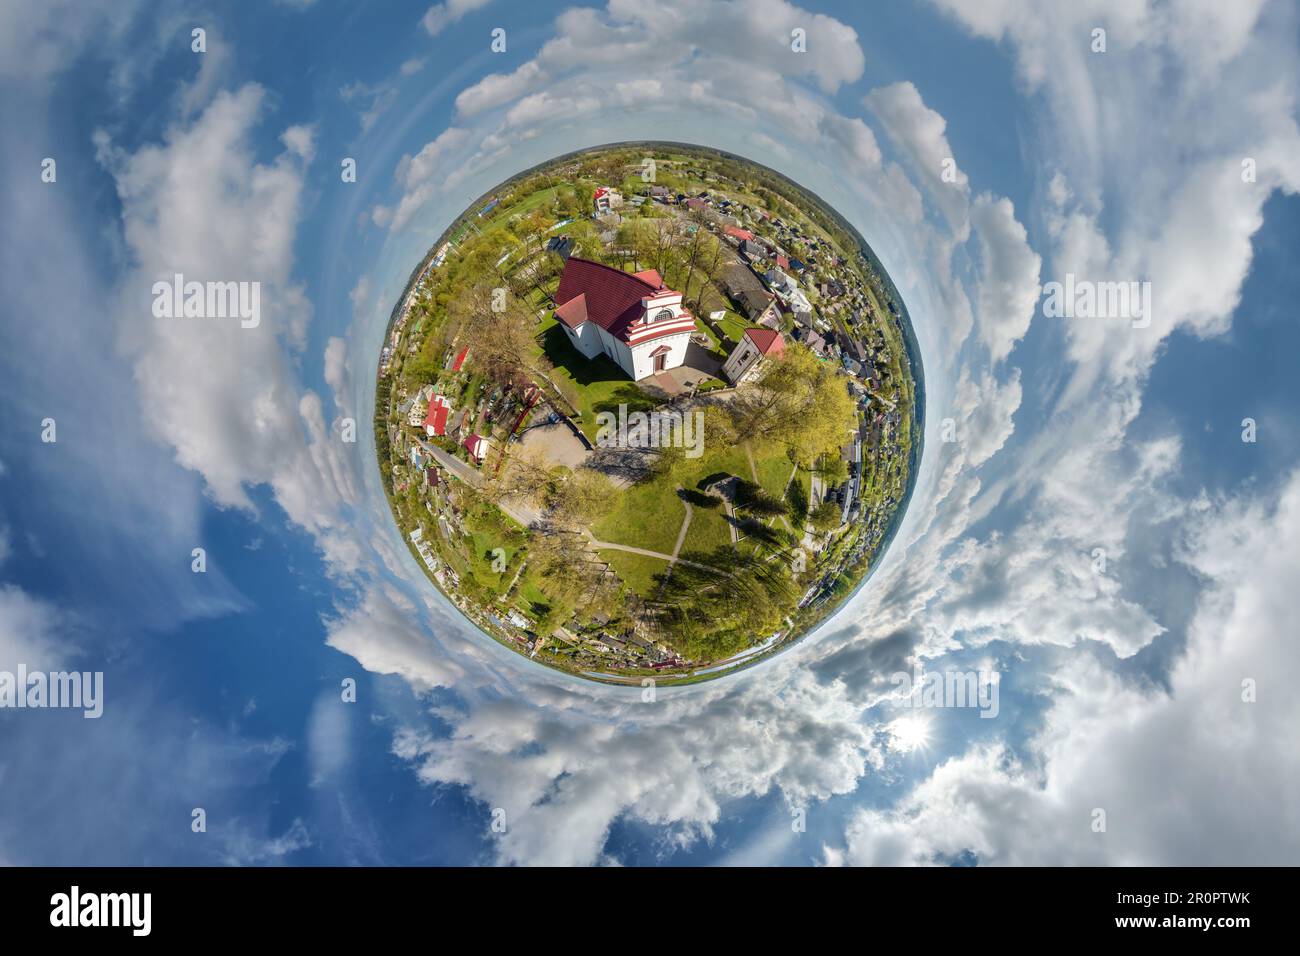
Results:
x,y
734,326
500,218
649,515
709,531
773,470
637,570
591,385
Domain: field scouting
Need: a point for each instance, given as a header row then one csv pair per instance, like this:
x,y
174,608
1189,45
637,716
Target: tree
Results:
x,y
586,196
833,469
668,462
504,342
708,613
826,516
572,577
797,402
700,220
582,498
754,499
527,476
664,236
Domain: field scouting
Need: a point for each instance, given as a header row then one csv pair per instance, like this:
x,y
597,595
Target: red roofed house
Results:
x,y
460,359
735,232
745,360
478,447
635,320
606,200
435,423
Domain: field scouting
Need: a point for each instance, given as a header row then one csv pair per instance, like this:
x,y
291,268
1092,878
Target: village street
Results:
x,y
518,510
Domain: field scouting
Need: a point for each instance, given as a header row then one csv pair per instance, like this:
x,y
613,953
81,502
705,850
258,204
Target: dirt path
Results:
x,y
609,545
681,537
686,524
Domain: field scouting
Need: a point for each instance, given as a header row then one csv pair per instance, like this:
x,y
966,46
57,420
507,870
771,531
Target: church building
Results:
x,y
634,319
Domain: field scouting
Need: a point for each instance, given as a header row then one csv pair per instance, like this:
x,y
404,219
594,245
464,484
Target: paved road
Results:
x,y
521,512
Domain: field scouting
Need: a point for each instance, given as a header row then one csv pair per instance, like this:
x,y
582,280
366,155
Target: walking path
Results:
x,y
681,535
603,545
731,522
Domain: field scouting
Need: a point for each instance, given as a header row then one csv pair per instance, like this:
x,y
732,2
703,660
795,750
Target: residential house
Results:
x,y
745,288
788,291
435,422
747,359
562,246
478,447
810,337
606,199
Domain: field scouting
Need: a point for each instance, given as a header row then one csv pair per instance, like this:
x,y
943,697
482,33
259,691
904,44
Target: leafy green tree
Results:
x,y
833,469
798,402
754,499
708,613
826,516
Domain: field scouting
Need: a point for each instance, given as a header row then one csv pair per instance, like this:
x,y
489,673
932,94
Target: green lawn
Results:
x,y
591,385
714,342
773,470
734,326
529,593
500,217
716,459
649,515
709,531
637,570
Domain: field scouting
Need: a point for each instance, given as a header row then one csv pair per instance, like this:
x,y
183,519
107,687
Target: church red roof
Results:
x,y
609,297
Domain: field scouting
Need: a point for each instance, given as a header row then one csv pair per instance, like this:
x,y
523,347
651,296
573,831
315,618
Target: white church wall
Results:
x,y
586,339
645,364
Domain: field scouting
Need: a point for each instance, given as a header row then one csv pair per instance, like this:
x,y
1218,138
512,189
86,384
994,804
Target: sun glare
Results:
x,y
909,733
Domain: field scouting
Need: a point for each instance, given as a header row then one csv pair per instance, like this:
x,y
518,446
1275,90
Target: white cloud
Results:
x,y
372,100
580,75
226,397
920,133
442,15
383,631
1190,774
564,779
32,632
1007,295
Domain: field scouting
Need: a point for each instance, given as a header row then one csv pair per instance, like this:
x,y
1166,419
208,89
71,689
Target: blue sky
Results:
x,y
1120,689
